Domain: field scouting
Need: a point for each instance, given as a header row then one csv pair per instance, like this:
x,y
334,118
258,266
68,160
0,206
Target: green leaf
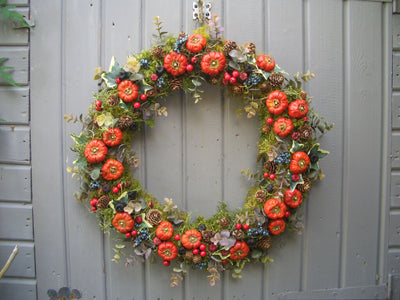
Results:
x,y
8,78
3,59
81,162
112,74
196,82
80,139
293,184
95,173
296,147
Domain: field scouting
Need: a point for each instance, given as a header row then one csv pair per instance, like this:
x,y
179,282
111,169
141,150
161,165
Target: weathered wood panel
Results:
x,y
394,261
23,266
395,190
9,35
16,222
18,59
396,32
15,183
15,142
11,289
396,110
396,71
14,105
394,228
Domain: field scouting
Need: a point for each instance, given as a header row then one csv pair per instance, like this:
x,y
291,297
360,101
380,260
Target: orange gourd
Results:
x,y
112,169
298,109
274,209
191,239
299,163
167,251
128,91
213,63
265,62
276,226
95,151
175,63
283,127
112,137
164,231
239,250
195,43
123,222
277,102
293,198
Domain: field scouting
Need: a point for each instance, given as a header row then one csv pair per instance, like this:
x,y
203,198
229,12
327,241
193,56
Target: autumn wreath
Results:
x,y
130,98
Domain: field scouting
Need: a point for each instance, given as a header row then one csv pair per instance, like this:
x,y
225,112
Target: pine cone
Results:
x,y
197,259
305,132
103,201
238,89
207,235
303,95
151,93
124,121
158,52
265,242
154,216
250,48
306,186
127,184
112,100
238,234
175,84
182,34
276,79
224,222
265,87
270,166
266,128
261,196
189,255
213,81
228,47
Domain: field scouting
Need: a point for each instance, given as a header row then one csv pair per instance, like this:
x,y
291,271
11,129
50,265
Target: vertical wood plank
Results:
x,y
23,265
14,147
18,289
20,216
84,238
14,105
363,77
51,266
322,232
17,59
15,183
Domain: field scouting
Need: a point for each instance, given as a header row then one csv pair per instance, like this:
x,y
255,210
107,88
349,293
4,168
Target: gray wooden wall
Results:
x,y
195,155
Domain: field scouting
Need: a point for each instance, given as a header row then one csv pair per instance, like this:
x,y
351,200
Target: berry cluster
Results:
x,y
94,185
283,158
252,80
259,230
142,235
179,43
144,63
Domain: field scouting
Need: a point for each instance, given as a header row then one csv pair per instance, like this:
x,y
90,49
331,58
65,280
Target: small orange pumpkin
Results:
x,y
277,102
276,226
299,163
191,239
128,91
112,137
283,127
298,109
123,222
274,209
164,231
167,251
213,63
239,250
265,62
175,63
293,198
112,170
95,151
195,43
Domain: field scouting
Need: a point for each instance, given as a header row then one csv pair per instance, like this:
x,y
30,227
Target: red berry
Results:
x,y
295,135
224,261
177,237
189,68
238,226
203,253
246,226
225,252
287,214
128,234
266,175
227,76
195,251
143,97
138,219
94,208
272,176
235,73
232,80
166,263
151,204
98,103
154,77
212,247
98,108
243,76
270,120
295,177
136,105
119,185
115,190
193,59
156,241
305,119
93,202
202,247
117,80
134,233
225,82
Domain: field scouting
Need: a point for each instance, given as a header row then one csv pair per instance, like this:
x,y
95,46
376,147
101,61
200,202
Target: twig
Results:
x,y
9,261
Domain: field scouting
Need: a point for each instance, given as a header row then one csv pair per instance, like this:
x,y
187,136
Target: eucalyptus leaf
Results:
x,y
95,173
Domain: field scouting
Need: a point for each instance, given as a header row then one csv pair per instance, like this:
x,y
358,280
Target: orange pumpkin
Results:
x,y
239,250
175,63
164,231
112,169
191,239
283,127
112,137
298,109
123,222
167,251
293,198
276,226
213,63
274,209
128,91
95,151
265,62
299,163
277,102
195,43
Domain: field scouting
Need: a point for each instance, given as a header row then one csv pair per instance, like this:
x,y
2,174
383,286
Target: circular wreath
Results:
x,y
130,98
